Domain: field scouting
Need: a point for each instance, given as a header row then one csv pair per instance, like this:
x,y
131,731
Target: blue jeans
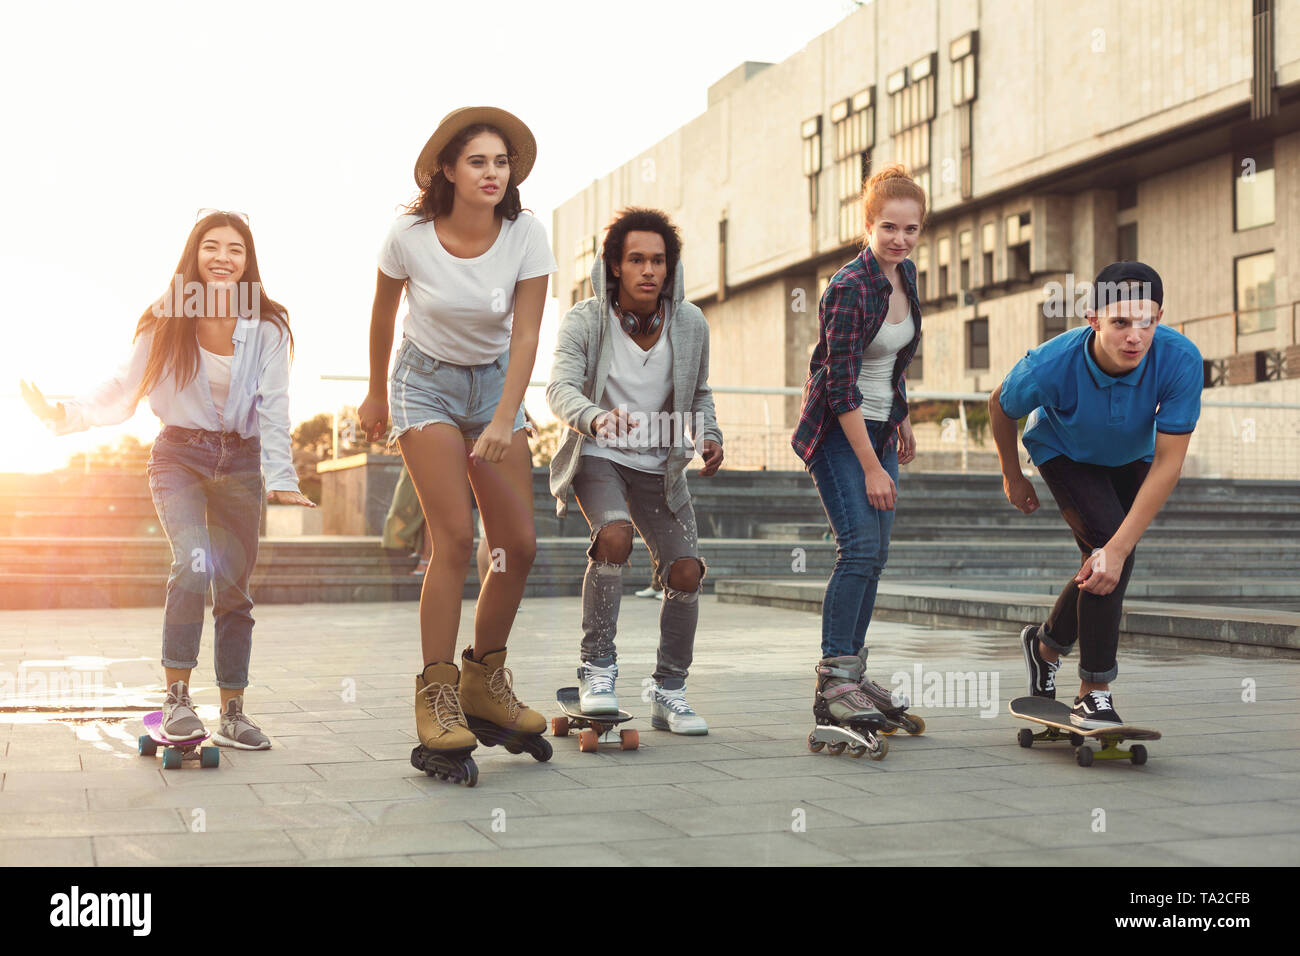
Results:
x,y
861,536
425,391
207,489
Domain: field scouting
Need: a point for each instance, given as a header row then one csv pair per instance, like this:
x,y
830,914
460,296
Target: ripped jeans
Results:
x,y
610,493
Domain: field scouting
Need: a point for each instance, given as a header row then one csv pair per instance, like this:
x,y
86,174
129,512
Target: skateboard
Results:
x,y
590,727
1056,717
175,752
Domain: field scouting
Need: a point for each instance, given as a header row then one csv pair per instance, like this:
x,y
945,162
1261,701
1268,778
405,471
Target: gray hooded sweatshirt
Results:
x,y
577,388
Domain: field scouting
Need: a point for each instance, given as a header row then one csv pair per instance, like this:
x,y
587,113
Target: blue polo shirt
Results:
x,y
1077,410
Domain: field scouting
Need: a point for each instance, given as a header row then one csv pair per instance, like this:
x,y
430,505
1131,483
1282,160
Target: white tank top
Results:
x,y
876,379
217,368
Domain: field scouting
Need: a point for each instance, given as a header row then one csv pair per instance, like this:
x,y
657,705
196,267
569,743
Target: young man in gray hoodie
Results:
x,y
630,378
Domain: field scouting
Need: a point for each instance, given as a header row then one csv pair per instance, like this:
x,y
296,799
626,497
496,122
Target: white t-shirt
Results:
x,y
876,379
460,310
217,368
642,381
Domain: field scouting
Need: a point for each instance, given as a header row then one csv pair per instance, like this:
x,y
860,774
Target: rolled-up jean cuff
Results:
x,y
1048,642
228,685
179,665
1099,677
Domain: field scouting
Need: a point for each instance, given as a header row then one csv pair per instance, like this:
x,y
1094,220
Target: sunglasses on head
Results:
x,y
205,212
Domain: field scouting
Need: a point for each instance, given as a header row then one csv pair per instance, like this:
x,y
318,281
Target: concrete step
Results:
x,y
1213,629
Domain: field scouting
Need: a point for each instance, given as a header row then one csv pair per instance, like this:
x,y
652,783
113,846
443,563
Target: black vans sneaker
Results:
x,y
1094,711
1042,672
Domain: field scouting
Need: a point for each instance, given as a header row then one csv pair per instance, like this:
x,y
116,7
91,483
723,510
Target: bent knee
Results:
x,y
614,543
686,574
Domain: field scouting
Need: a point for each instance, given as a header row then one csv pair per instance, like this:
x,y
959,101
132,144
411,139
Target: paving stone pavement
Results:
x,y
333,686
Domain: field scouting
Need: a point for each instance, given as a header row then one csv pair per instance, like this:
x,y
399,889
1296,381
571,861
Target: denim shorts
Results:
x,y
425,391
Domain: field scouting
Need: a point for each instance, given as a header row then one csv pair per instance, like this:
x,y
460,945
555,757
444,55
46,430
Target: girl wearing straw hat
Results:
x,y
212,355
474,267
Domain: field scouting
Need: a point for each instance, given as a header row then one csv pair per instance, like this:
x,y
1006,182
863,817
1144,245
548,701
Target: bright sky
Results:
x,y
121,120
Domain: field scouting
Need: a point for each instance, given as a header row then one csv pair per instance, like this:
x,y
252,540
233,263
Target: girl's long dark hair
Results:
x,y
175,347
436,199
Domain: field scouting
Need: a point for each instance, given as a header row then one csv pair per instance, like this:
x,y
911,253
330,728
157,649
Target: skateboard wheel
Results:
x,y
148,746
1076,740
815,745
209,757
879,753
171,759
560,726
914,725
587,741
836,748
1084,756
628,740
1138,754
1025,737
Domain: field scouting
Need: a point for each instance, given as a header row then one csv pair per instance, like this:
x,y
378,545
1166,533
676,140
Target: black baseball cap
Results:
x,y
1126,280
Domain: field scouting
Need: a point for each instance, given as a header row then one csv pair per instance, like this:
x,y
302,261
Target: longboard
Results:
x,y
175,752
1055,715
590,727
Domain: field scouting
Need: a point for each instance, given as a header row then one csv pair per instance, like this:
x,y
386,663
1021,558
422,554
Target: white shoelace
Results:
x,y
600,680
675,700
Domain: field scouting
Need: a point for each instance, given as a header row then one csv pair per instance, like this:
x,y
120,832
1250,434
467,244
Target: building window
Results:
x,y
1255,293
911,109
944,256
962,52
963,255
1020,234
1050,326
1126,245
1126,197
916,371
988,243
977,345
922,271
584,257
855,134
811,130
1253,199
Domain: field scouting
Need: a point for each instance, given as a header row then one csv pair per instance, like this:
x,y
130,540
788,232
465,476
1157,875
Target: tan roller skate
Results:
x,y
494,713
445,739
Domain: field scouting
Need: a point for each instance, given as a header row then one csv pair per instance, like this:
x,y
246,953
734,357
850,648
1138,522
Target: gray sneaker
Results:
x,y
669,711
237,730
179,722
596,687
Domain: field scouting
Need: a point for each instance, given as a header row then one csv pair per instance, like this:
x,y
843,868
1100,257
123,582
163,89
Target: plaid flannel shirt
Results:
x,y
852,310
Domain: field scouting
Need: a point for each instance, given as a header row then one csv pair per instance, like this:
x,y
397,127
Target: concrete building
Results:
x,y
1052,138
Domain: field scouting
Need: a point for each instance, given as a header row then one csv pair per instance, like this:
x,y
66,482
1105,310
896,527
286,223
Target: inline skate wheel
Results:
x,y
879,753
914,725
857,751
1084,756
887,731
815,745
836,748
1025,737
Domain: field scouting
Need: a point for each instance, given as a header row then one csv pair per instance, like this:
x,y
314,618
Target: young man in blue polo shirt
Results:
x,y
1111,408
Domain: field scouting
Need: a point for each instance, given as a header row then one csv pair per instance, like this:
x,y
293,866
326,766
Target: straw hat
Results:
x,y
520,136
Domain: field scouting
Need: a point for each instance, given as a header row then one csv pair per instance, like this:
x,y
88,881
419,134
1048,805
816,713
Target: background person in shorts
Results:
x,y
1111,408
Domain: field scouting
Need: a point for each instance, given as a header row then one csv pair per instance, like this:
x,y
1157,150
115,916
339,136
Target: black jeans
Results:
x,y
1094,500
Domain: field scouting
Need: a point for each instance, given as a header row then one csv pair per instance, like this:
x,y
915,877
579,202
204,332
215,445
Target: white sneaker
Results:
x,y
596,688
648,592
669,711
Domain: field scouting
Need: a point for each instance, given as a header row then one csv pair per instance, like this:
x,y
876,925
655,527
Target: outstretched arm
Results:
x,y
1101,571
